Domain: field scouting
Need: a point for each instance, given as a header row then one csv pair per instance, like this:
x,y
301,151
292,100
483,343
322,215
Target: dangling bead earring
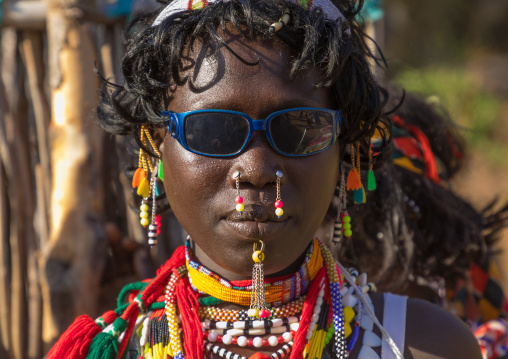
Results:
x,y
145,188
155,226
258,307
278,203
239,199
342,225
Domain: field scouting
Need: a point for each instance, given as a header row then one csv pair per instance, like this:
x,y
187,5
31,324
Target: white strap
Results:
x,y
394,321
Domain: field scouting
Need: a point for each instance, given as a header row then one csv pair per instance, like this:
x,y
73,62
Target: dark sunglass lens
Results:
x,y
302,132
215,133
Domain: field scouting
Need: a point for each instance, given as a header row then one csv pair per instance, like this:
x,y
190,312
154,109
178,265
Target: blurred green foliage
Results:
x,y
476,112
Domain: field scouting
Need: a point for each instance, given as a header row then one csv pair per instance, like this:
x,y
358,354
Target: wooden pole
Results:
x,y
72,261
5,219
19,184
32,54
25,15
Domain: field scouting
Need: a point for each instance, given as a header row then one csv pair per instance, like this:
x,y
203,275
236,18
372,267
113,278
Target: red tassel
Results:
x,y
177,260
152,291
75,341
191,326
109,317
307,310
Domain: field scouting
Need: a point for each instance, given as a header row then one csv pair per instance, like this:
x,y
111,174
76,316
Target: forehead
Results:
x,y
214,77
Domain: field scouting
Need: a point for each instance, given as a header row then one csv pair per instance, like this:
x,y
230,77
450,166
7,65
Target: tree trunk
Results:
x,y
73,259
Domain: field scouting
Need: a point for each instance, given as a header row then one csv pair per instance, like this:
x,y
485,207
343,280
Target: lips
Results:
x,y
256,221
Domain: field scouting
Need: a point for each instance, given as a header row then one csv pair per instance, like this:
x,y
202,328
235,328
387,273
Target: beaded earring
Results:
x,y
258,307
239,199
278,203
342,225
146,188
154,228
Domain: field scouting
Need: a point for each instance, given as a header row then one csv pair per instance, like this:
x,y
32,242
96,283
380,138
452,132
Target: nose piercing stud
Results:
x,y
239,199
278,203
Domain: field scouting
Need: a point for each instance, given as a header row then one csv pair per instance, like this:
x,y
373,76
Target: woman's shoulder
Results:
x,y
432,332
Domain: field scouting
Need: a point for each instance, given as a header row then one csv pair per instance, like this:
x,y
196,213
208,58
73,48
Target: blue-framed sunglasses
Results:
x,y
294,132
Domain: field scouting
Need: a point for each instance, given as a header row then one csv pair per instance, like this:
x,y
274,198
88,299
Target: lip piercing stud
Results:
x,y
278,203
239,199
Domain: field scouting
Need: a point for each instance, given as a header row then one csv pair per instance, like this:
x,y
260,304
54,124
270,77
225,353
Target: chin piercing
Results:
x,y
239,199
276,26
278,203
258,307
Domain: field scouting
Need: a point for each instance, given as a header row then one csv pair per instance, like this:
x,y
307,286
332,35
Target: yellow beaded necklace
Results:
x,y
275,292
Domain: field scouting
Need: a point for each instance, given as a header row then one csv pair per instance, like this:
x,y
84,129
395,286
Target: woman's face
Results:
x,y
201,190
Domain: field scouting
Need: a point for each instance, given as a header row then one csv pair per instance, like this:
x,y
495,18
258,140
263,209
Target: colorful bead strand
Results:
x,y
278,203
239,199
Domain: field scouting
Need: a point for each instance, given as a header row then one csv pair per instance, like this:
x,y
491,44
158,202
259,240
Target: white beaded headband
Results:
x,y
330,11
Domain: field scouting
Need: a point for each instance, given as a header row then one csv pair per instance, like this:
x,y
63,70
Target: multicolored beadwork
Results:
x,y
334,310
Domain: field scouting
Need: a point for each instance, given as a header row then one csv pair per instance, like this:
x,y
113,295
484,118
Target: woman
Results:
x,y
251,194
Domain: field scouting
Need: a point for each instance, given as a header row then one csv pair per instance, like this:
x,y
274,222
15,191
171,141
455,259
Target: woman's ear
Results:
x,y
342,152
158,138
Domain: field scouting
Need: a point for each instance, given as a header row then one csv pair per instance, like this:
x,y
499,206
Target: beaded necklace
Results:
x,y
278,291
308,323
221,314
307,335
170,326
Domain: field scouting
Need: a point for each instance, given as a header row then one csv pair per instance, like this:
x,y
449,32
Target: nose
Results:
x,y
258,163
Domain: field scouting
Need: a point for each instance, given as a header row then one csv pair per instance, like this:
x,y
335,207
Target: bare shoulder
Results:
x,y
432,332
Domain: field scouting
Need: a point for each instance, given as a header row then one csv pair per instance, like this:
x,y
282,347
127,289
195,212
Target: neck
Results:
x,y
201,257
